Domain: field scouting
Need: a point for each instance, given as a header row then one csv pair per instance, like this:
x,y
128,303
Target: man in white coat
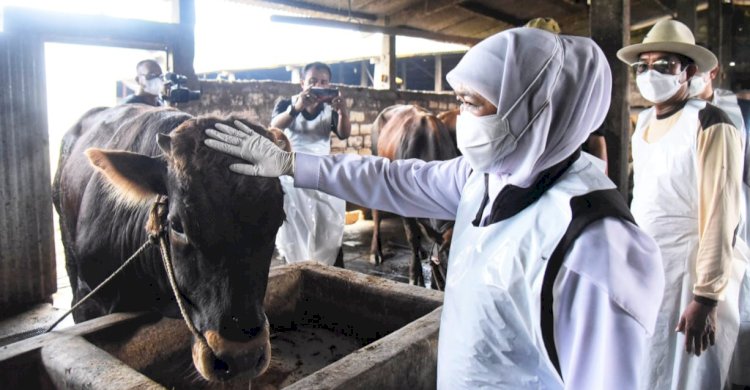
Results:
x,y
687,193
701,87
550,284
314,225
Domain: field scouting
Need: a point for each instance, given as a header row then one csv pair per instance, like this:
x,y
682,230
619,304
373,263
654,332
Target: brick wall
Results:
x,y
256,99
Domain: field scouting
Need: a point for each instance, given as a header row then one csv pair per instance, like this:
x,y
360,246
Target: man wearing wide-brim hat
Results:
x,y
687,159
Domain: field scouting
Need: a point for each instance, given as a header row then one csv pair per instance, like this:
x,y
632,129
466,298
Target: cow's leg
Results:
x,y
438,275
413,238
376,250
340,258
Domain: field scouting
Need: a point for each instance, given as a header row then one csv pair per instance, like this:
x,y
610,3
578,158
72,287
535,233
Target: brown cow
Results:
x,y
404,132
221,229
449,118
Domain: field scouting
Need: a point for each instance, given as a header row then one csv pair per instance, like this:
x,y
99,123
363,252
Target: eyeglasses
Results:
x,y
662,66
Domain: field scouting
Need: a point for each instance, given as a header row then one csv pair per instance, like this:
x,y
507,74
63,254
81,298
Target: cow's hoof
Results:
x,y
376,259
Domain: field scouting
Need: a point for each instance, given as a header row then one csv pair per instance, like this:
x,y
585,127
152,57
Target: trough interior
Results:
x,y
318,315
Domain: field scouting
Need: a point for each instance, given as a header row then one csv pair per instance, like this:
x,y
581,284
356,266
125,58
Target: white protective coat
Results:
x,y
665,205
493,284
314,225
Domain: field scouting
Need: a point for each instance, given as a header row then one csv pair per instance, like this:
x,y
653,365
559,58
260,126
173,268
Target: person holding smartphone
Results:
x,y
314,224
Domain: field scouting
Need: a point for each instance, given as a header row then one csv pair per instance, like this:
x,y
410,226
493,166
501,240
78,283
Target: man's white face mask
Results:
x,y
484,140
154,86
698,83
658,87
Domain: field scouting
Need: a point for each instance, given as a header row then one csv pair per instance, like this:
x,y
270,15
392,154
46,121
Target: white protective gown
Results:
x,y
606,294
665,205
496,273
314,225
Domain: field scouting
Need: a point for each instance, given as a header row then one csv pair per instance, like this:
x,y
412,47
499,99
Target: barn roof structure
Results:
x,y
465,21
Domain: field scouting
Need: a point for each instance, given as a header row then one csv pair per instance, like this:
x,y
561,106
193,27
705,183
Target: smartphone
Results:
x,y
325,94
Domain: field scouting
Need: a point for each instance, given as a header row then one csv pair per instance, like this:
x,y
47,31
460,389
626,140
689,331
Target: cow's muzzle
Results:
x,y
223,359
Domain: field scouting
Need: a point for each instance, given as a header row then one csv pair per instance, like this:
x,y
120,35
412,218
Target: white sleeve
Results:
x,y
607,296
410,188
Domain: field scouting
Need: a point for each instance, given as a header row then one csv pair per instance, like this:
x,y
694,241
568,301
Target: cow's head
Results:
x,y
221,228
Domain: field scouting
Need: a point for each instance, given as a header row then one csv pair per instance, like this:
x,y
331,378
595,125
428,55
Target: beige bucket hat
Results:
x,y
548,24
670,36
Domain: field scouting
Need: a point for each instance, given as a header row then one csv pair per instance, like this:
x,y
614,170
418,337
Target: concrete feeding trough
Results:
x,y
331,329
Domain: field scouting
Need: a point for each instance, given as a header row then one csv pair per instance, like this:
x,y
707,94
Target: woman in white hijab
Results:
x,y
550,284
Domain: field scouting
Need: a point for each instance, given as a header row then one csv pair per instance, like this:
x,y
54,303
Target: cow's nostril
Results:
x,y
223,368
252,332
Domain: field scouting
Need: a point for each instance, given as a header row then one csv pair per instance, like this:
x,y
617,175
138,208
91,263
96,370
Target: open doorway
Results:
x,y
79,78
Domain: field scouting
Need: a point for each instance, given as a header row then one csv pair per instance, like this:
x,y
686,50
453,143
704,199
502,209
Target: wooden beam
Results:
x,y
370,28
183,53
363,74
492,13
94,29
720,22
301,5
438,73
27,248
609,21
419,10
385,74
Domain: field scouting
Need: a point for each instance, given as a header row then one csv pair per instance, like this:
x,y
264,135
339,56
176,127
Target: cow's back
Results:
x,y
409,131
131,127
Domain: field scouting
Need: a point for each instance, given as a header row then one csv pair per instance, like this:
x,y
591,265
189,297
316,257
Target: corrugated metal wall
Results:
x,y
27,258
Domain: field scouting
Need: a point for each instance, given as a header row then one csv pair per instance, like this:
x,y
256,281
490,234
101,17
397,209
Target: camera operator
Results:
x,y
150,84
314,226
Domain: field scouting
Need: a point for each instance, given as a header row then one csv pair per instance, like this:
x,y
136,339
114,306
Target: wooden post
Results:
x,y
27,250
686,13
719,38
438,73
386,74
403,76
610,29
183,50
363,79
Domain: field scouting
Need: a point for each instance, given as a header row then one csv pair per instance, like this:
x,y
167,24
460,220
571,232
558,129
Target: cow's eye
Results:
x,y
176,226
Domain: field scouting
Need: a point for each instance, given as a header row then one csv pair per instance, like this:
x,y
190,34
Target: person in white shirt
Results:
x,y
701,87
550,284
687,193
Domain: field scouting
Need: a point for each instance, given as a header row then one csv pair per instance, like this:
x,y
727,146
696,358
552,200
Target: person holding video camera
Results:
x,y
314,225
150,84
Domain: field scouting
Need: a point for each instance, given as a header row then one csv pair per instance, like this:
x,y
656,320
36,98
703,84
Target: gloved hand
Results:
x,y
265,158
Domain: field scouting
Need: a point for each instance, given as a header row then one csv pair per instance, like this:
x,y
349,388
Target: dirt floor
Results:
x,y
356,246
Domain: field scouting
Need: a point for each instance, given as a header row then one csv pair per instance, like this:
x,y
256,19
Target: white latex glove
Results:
x,y
265,158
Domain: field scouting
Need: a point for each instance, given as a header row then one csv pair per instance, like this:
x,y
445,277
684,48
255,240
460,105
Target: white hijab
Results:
x,y
555,87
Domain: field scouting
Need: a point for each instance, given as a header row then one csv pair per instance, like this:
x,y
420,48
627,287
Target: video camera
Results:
x,y
176,92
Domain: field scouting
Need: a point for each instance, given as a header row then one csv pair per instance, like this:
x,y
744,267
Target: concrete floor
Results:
x,y
356,243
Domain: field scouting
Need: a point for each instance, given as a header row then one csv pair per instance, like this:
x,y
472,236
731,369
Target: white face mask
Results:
x,y
698,84
154,86
658,87
484,140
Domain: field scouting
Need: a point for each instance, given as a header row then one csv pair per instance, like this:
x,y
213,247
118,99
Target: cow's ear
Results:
x,y
279,138
135,177
165,143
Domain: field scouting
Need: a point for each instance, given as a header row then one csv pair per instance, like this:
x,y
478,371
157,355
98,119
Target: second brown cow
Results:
x,y
405,132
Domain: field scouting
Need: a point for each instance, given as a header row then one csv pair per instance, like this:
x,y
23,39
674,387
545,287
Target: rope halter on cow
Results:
x,y
157,235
